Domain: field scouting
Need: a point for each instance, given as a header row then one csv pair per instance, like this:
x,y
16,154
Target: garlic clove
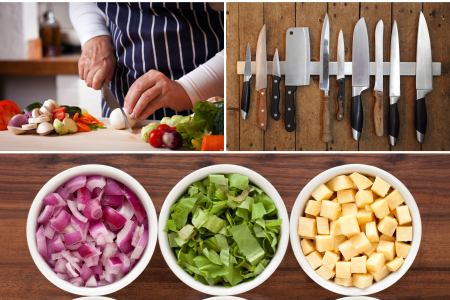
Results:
x,y
16,130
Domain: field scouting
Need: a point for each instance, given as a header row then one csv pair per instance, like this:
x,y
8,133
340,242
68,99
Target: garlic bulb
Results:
x,y
118,122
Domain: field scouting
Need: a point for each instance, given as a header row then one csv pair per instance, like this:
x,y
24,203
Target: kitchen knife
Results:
x,y
424,77
245,100
378,89
276,77
297,69
113,104
394,86
261,79
360,75
324,83
340,78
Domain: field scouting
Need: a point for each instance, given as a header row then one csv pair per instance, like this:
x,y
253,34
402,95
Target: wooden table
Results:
x,y
64,64
244,22
426,176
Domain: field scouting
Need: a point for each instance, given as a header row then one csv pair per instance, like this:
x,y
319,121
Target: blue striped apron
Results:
x,y
172,38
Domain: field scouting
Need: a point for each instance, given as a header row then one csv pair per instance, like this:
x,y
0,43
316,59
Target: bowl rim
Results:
x,y
326,176
58,180
180,188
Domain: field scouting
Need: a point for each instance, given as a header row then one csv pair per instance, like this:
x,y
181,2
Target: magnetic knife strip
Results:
x,y
406,68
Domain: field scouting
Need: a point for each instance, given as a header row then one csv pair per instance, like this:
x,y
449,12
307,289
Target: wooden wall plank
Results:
x,y
278,17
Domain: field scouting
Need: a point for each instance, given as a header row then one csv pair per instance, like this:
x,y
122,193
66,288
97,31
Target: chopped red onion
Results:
x,y
98,229
60,266
80,226
112,187
57,244
54,199
126,263
91,282
93,210
56,256
87,251
71,270
49,231
139,210
98,193
109,251
78,281
74,246
75,212
61,221
63,276
41,241
140,246
72,238
125,235
112,200
95,181
58,210
62,192
69,229
137,235
71,259
126,210
108,276
75,183
46,214
83,196
97,269
113,265
114,218
102,282
86,273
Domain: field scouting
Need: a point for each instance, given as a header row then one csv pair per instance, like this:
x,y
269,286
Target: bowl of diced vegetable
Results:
x,y
92,230
224,229
355,229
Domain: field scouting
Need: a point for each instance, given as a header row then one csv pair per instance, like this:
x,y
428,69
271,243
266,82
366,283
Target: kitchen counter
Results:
x,y
64,64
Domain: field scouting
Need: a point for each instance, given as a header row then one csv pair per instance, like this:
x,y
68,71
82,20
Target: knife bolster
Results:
x,y
356,90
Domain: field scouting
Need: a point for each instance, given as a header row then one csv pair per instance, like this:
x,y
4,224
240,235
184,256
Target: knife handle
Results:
x,y
340,99
245,100
394,124
421,119
326,132
261,116
275,97
357,117
289,120
378,113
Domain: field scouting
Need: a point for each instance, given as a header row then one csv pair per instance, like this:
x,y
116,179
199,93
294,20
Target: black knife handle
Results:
x,y
421,118
340,99
357,114
394,123
289,120
245,100
275,97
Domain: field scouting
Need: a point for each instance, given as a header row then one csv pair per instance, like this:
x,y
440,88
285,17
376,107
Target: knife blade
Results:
x,y
394,86
245,100
276,77
261,79
113,104
424,77
324,83
378,89
340,78
360,75
297,69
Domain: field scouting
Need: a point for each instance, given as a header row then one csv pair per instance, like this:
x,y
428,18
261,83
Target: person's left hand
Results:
x,y
152,91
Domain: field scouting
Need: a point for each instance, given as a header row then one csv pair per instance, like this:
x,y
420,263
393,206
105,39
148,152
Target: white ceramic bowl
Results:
x,y
181,188
299,208
59,180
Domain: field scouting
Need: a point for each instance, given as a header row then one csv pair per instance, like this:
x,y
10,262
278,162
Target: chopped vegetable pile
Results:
x,y
92,231
224,230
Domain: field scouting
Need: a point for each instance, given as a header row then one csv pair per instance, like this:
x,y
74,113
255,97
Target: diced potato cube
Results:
x,y
342,182
388,249
347,250
380,187
307,227
378,276
402,249
313,207
387,226
330,185
358,265
310,216
395,264
322,225
338,239
372,232
380,208
349,209
363,198
394,199
402,214
324,243
343,269
346,196
364,216
325,273
360,242
361,181
335,228
322,192
404,233
384,237
375,262
307,246
373,246
349,225
329,210
330,259
314,259
362,281
344,281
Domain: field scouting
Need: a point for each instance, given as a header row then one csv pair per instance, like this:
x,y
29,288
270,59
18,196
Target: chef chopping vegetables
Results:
x,y
158,59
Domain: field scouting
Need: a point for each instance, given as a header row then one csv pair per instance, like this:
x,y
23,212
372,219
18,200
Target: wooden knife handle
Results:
x,y
262,110
378,112
326,132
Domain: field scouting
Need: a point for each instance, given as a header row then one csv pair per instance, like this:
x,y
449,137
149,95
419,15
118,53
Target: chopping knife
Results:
x,y
394,86
297,69
261,79
378,89
324,83
340,78
113,104
424,77
360,75
276,77
245,100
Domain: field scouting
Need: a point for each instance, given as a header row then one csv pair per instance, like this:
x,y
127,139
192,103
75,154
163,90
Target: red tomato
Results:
x,y
173,128
8,109
163,128
59,113
155,138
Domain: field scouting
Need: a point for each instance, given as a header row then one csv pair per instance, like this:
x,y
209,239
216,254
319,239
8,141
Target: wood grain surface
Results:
x,y
65,64
426,176
244,22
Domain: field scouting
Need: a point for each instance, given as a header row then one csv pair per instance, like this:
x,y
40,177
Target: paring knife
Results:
x,y
324,83
340,78
360,75
378,89
245,100
261,79
394,86
424,77
297,69
113,104
276,77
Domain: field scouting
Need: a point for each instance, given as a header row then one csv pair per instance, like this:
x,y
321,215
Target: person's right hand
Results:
x,y
97,61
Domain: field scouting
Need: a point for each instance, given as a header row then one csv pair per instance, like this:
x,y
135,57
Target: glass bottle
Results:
x,y
51,35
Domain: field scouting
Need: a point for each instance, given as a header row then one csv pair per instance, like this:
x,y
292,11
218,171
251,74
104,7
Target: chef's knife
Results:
x,y
261,79
297,69
245,100
394,86
276,77
340,78
113,104
424,77
324,83
378,89
360,75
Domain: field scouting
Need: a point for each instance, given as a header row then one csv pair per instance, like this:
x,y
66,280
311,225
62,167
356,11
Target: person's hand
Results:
x,y
152,91
97,61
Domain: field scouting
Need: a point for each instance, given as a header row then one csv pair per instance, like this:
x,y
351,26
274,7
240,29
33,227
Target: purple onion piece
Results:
x,y
113,265
41,241
61,221
112,200
46,214
62,192
86,273
125,236
114,218
72,238
91,282
137,252
83,196
75,183
95,181
138,208
78,281
54,199
112,187
93,211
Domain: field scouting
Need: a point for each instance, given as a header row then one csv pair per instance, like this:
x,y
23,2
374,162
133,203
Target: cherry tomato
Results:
x,y
59,113
155,138
163,128
8,109
173,128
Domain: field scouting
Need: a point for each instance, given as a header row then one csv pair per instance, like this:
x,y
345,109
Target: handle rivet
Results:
x,y
262,124
289,125
275,115
289,92
340,116
275,81
289,109
275,97
262,110
262,93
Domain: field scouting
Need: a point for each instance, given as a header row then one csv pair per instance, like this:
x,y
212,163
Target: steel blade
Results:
x,y
248,62
424,70
261,61
324,56
340,57
360,62
276,65
394,65
379,56
113,104
297,57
